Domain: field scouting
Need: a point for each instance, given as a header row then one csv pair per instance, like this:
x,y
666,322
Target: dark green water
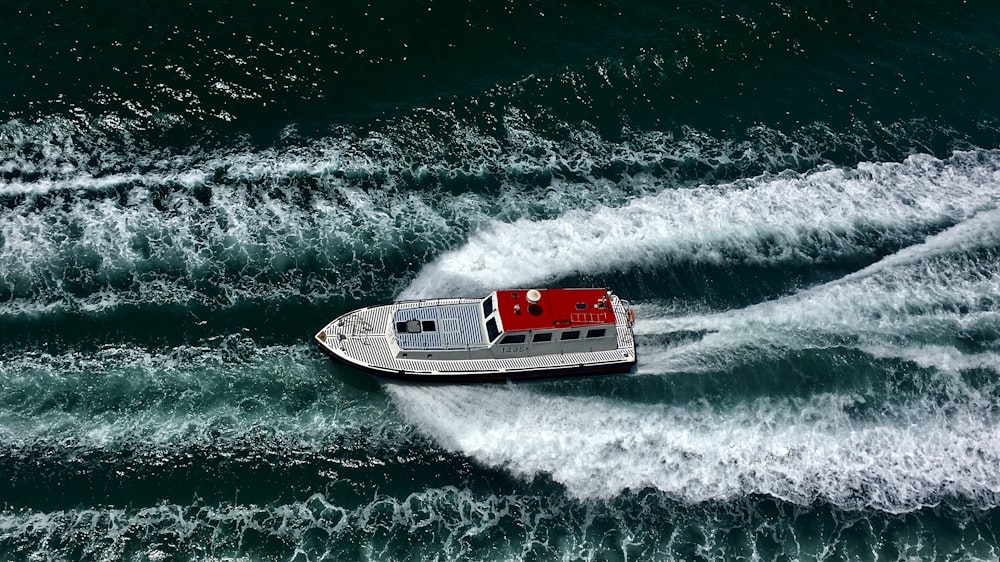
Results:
x,y
802,200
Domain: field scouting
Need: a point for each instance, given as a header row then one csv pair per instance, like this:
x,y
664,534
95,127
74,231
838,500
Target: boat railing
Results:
x,y
437,302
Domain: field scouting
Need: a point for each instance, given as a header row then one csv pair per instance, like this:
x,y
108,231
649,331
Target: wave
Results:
x,y
124,424
453,523
941,292
887,446
187,395
95,221
417,152
798,450
818,217
446,519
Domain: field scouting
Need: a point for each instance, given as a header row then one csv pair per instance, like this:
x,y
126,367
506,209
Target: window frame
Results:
x,y
492,330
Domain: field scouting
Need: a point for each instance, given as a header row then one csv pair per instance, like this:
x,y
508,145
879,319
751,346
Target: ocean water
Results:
x,y
801,199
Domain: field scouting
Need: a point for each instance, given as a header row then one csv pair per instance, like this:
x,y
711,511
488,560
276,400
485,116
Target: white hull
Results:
x,y
366,339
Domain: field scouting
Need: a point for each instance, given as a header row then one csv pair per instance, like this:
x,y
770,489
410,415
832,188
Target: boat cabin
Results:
x,y
550,321
513,322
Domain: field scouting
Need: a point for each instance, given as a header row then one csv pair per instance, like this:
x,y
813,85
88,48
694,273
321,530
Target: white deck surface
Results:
x,y
457,326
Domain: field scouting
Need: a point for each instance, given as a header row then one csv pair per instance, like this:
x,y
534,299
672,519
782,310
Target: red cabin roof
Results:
x,y
554,309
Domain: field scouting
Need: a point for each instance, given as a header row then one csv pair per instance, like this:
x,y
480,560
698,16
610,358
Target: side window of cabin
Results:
x,y
541,337
596,333
487,306
573,335
513,338
492,332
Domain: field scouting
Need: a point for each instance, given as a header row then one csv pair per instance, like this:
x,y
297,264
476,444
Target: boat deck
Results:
x,y
455,326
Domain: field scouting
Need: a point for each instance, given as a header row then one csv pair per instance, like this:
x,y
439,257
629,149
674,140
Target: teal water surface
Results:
x,y
802,201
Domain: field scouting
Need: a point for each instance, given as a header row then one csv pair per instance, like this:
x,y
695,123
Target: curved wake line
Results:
x,y
797,450
768,220
919,451
938,290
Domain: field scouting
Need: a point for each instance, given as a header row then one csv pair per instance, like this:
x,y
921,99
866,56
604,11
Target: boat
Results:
x,y
508,335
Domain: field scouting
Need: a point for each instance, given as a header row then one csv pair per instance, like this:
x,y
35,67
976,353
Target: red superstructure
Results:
x,y
548,309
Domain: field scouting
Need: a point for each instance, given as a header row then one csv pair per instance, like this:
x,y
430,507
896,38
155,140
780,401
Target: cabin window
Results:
x,y
401,327
581,306
428,326
491,329
541,337
513,338
597,333
487,306
573,335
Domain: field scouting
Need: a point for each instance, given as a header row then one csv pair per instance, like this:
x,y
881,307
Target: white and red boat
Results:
x,y
508,335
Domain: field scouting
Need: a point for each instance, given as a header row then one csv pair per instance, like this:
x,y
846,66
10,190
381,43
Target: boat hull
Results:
x,y
570,371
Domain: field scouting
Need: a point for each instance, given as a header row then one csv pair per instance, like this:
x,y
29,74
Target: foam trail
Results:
x,y
451,523
919,449
93,255
316,526
192,395
799,450
940,357
97,223
59,154
925,291
769,220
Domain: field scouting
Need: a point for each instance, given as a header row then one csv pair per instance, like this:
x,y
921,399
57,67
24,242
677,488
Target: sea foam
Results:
x,y
922,449
770,220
